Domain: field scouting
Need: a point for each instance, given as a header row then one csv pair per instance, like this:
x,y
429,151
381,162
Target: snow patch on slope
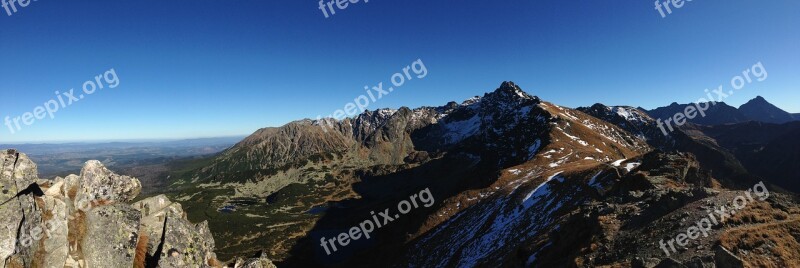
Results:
x,y
460,130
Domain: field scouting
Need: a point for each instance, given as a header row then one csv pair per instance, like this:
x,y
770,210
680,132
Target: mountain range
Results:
x,y
510,180
757,109
518,181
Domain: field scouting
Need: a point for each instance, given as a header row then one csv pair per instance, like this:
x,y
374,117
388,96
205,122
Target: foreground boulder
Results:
x,y
185,244
112,233
85,221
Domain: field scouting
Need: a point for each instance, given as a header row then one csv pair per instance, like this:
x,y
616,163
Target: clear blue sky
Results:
x,y
216,68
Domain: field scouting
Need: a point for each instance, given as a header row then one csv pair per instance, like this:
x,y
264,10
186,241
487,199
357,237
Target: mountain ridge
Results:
x,y
507,163
502,128
757,109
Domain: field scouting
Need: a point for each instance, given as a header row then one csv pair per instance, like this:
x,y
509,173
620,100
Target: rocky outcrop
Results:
x,y
261,262
99,183
111,236
20,214
85,221
185,244
55,247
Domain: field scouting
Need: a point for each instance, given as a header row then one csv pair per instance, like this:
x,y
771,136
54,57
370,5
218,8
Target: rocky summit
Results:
x,y
88,220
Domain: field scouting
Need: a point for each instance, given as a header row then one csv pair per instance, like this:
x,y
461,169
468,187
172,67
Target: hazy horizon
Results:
x,y
167,139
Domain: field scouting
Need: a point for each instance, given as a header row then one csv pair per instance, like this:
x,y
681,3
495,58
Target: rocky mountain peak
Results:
x,y
510,91
760,109
509,85
600,106
758,100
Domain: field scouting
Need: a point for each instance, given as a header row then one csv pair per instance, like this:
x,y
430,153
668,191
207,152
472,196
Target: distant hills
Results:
x,y
757,109
145,160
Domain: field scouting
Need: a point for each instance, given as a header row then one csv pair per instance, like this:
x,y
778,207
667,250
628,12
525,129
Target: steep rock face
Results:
x,y
111,236
84,221
634,120
55,220
185,244
508,123
19,214
154,215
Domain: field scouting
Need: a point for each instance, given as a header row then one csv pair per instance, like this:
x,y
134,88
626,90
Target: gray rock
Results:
x,y
56,189
53,229
55,246
185,244
153,205
19,214
206,240
154,214
99,183
71,185
112,233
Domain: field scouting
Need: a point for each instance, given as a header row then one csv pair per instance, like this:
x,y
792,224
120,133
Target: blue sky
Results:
x,y
218,68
